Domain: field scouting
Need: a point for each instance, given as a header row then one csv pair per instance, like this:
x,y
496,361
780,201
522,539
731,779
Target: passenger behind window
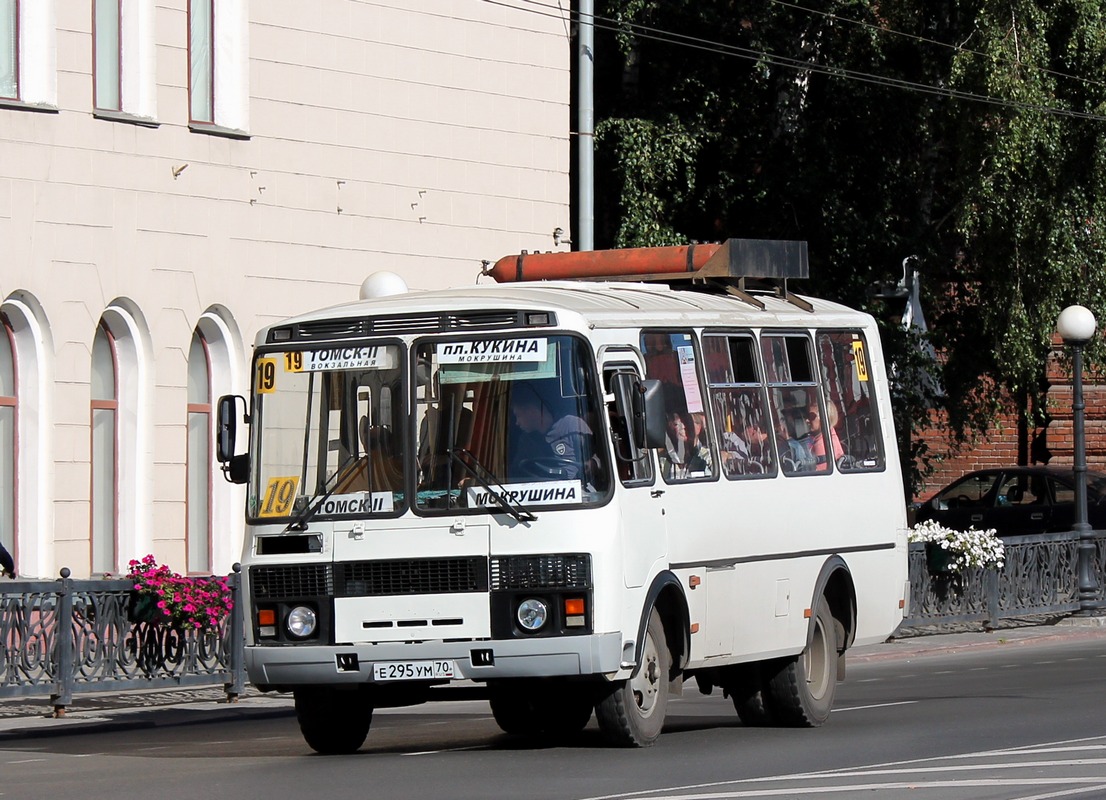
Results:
x,y
560,445
686,455
818,440
747,452
794,444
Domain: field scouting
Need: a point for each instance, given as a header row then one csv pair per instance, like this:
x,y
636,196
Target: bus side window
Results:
x,y
843,363
740,406
803,444
634,466
689,454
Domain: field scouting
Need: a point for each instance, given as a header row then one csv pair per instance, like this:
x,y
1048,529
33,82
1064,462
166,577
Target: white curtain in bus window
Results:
x,y
689,454
850,405
740,406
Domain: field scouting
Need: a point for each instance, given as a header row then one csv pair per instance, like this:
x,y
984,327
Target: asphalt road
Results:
x,y
1021,722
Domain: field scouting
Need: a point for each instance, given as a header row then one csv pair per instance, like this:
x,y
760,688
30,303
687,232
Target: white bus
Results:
x,y
578,496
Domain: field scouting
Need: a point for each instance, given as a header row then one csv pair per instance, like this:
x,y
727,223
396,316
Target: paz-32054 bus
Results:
x,y
583,496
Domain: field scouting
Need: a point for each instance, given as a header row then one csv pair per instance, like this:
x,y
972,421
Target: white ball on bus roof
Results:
x,y
382,284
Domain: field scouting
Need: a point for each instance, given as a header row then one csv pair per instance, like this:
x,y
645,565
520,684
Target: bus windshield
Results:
x,y
514,417
328,428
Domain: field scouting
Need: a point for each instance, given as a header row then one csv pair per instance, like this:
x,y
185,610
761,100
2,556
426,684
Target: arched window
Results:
x,y
216,366
105,435
8,436
199,455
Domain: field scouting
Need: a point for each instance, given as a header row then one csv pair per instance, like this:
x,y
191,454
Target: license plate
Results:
x,y
412,670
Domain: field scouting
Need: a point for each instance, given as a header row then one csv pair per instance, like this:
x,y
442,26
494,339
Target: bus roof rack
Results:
x,y
738,263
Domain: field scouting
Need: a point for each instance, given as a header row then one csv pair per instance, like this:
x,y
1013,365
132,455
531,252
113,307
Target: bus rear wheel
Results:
x,y
750,698
333,722
802,688
632,715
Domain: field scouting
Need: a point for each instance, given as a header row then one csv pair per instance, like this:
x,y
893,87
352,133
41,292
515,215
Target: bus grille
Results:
x,y
541,572
412,576
409,323
294,580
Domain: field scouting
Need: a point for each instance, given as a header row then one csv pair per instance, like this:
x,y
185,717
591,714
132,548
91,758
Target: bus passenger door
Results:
x,y
641,503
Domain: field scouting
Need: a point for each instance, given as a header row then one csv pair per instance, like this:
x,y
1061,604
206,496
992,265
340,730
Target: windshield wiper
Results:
x,y
486,480
299,523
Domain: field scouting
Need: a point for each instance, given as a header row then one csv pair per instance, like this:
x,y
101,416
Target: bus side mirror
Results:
x,y
236,468
650,423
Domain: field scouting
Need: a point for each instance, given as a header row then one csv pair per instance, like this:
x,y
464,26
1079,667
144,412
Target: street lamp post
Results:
x,y
1076,327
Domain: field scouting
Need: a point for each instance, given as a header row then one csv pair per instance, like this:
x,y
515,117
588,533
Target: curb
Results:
x,y
907,650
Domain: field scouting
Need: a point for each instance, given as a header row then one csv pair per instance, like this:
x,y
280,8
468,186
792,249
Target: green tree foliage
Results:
x,y
968,133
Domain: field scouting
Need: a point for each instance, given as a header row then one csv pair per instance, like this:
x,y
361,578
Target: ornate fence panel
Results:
x,y
71,636
1040,576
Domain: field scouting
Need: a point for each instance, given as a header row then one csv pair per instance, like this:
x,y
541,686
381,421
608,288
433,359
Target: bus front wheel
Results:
x,y
632,715
802,688
333,722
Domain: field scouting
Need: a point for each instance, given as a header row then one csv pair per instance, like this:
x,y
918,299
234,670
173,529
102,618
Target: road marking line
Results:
x,y
870,787
877,705
1067,793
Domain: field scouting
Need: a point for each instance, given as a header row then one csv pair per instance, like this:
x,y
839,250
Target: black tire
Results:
x,y
749,696
632,714
801,689
333,722
541,709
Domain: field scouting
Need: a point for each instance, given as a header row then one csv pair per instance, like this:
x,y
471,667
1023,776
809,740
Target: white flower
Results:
x,y
971,548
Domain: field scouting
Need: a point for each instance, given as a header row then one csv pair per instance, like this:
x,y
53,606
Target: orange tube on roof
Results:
x,y
602,263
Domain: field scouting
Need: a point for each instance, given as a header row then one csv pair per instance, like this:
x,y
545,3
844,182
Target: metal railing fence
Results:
x,y
64,637
1040,576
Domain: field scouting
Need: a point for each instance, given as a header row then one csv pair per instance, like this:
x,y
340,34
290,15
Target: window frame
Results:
x,y
12,401
111,405
209,97
760,385
852,464
97,105
776,388
205,410
642,464
670,475
17,30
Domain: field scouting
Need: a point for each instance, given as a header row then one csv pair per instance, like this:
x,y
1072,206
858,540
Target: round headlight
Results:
x,y
301,622
532,614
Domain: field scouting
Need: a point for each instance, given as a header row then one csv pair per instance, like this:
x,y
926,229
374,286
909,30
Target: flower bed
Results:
x,y
949,550
166,597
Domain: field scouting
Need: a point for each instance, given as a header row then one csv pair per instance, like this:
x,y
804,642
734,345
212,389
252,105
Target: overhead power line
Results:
x,y
924,40
772,59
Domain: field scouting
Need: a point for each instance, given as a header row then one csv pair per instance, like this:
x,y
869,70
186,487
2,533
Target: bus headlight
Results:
x,y
301,622
532,614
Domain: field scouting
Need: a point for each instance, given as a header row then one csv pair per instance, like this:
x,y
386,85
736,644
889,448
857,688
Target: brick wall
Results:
x,y
1051,444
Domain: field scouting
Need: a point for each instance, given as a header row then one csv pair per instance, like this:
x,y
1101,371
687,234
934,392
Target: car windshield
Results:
x,y
968,492
508,420
327,428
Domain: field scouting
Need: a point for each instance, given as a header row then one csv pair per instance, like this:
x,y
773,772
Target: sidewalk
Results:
x,y
33,717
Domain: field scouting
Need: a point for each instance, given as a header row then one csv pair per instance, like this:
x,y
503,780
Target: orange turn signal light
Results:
x,y
574,606
266,616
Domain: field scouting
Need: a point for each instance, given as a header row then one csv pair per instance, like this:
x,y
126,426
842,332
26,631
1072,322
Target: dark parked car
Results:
x,y
1016,500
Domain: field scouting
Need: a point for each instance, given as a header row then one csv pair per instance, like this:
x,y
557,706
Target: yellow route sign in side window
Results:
x,y
279,495
266,375
860,359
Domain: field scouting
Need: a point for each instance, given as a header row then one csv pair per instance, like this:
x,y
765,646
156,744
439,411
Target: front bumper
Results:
x,y
474,660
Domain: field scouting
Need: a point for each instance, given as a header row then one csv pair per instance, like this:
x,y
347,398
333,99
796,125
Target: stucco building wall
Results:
x,y
418,136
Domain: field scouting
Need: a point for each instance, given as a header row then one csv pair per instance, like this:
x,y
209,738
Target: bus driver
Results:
x,y
566,439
